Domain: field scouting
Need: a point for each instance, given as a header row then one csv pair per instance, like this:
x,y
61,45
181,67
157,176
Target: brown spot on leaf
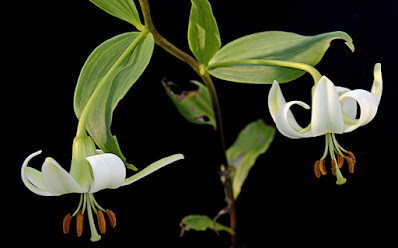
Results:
x,y
181,91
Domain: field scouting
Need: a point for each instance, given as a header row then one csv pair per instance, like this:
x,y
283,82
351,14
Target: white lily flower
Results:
x,y
105,171
334,110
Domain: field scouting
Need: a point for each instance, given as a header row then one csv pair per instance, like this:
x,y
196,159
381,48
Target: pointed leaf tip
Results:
x,y
272,45
123,9
203,34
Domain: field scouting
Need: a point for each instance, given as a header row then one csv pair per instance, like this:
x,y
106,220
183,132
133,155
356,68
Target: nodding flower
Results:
x,y
334,111
91,171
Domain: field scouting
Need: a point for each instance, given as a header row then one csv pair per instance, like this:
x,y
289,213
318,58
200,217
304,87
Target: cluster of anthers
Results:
x,y
334,149
88,202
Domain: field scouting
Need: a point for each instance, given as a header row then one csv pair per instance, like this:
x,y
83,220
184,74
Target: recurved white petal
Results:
x,y
108,170
57,180
377,87
33,178
287,124
275,99
349,105
368,105
327,115
152,168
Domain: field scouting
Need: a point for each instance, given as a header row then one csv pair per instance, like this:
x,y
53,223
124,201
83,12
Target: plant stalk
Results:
x,y
186,58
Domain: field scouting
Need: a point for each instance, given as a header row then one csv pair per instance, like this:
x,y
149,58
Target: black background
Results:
x,y
281,203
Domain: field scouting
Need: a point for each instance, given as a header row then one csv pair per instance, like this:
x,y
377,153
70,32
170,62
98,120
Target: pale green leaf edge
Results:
x,y
202,223
222,56
248,161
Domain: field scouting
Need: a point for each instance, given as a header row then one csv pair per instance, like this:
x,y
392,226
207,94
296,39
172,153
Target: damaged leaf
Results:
x,y
192,101
201,223
252,141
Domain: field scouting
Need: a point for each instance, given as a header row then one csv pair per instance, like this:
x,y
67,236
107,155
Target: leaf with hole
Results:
x,y
192,100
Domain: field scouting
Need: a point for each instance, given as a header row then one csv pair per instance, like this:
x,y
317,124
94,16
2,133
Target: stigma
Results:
x,y
337,155
89,204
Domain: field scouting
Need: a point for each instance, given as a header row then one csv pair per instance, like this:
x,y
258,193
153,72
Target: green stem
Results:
x,y
81,128
200,70
163,43
304,67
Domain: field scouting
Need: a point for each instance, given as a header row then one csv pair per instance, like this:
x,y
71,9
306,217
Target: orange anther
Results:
x,y
334,167
322,167
66,223
79,223
111,218
351,161
340,160
101,222
352,156
316,169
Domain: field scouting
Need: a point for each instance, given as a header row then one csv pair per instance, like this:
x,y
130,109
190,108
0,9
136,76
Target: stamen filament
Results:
x,y
84,203
96,204
331,146
325,153
92,203
338,147
79,206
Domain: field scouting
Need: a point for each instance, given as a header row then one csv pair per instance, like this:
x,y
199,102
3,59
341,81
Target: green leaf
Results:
x,y
193,102
272,45
123,9
252,141
201,223
203,35
113,67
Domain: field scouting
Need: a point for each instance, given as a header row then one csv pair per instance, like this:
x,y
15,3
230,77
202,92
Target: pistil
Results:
x,y
87,201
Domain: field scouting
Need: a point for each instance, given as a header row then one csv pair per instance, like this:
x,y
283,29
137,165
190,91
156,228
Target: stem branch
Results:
x,y
173,50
